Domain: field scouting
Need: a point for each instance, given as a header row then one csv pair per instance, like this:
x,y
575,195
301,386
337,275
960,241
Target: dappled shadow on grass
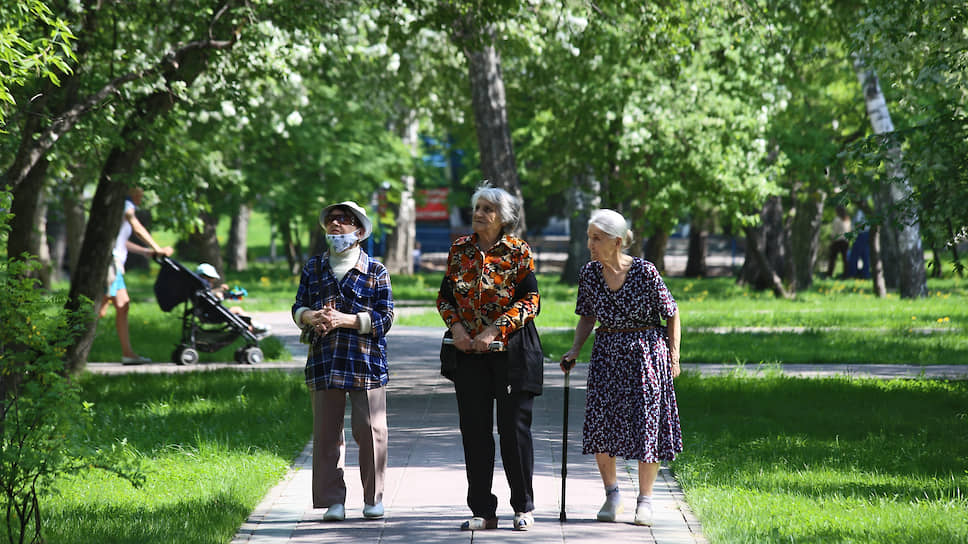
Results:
x,y
242,410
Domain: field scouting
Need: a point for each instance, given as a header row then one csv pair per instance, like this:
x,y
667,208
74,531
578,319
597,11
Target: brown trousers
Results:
x,y
369,425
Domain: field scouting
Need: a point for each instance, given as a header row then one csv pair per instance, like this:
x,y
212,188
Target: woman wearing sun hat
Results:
x,y
344,306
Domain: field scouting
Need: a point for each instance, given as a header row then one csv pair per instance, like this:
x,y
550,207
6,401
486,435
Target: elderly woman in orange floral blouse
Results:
x,y
488,292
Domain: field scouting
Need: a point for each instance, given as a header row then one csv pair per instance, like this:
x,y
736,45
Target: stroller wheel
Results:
x,y
185,356
249,356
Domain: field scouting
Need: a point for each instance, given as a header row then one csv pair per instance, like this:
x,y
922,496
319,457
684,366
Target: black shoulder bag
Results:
x,y
525,356
448,352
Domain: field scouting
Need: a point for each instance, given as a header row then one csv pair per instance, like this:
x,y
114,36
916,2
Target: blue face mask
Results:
x,y
339,243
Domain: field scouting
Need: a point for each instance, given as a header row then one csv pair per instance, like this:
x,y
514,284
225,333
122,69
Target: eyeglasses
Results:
x,y
342,219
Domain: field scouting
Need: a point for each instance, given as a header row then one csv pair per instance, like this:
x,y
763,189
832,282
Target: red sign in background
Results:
x,y
432,204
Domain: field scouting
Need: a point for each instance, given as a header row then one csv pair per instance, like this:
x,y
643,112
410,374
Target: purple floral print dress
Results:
x,y
630,404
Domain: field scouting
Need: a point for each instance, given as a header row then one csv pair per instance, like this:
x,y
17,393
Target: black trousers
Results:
x,y
479,381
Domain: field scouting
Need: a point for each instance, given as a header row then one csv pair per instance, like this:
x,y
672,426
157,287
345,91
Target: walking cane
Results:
x,y
562,517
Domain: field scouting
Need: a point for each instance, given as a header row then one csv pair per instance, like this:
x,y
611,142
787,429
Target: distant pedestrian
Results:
x,y
117,290
630,403
344,306
839,228
478,304
858,260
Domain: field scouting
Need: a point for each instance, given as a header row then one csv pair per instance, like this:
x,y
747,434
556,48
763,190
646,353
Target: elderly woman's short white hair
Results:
x,y
508,207
613,224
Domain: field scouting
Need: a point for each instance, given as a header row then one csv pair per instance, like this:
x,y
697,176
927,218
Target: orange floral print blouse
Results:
x,y
484,284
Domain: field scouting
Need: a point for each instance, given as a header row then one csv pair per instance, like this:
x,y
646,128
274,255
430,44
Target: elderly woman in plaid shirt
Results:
x,y
478,303
344,307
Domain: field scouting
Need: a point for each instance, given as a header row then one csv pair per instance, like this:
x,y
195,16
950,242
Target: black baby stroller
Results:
x,y
206,324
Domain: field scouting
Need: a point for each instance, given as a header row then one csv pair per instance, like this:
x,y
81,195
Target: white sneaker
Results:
x,y
523,521
373,512
643,513
335,512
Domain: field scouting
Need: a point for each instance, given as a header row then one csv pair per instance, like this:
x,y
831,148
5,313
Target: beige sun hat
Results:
x,y
357,210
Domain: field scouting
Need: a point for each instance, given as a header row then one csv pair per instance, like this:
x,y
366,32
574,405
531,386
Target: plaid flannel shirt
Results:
x,y
483,286
344,358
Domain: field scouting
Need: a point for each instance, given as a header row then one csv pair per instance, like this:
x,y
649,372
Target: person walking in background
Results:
x,y
477,303
344,306
630,403
839,245
117,291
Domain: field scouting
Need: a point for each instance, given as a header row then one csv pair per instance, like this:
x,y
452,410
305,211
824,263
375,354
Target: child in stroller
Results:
x,y
207,325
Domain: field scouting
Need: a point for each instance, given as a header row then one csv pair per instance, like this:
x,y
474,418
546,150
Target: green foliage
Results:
x,y
918,50
33,43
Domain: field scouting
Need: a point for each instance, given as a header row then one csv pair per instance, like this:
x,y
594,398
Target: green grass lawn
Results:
x,y
210,444
833,460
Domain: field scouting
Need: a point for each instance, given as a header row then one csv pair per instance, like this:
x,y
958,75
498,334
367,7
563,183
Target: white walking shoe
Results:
x,y
643,513
373,512
610,510
335,512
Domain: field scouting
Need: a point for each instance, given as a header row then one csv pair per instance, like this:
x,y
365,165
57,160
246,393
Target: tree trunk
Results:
x,y
912,274
805,239
955,259
293,251
763,266
877,263
57,244
74,221
400,240
581,202
490,112
655,248
238,257
202,245
24,234
698,247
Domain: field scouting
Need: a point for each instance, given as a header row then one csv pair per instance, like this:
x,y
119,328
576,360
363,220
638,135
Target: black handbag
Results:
x,y
525,355
448,357
448,352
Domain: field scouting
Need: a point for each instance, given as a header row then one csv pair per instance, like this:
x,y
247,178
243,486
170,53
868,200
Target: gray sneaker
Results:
x,y
610,510
335,512
373,512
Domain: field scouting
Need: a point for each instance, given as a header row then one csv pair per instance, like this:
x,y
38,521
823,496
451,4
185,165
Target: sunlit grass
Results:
x,y
205,469
834,460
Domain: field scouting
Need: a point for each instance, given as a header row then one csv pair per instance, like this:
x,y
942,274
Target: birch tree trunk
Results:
x,y
912,276
400,241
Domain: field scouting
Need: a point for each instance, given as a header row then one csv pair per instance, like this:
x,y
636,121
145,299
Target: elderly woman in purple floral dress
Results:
x,y
630,404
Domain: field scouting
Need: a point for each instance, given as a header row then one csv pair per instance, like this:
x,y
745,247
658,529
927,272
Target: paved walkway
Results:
x,y
426,486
